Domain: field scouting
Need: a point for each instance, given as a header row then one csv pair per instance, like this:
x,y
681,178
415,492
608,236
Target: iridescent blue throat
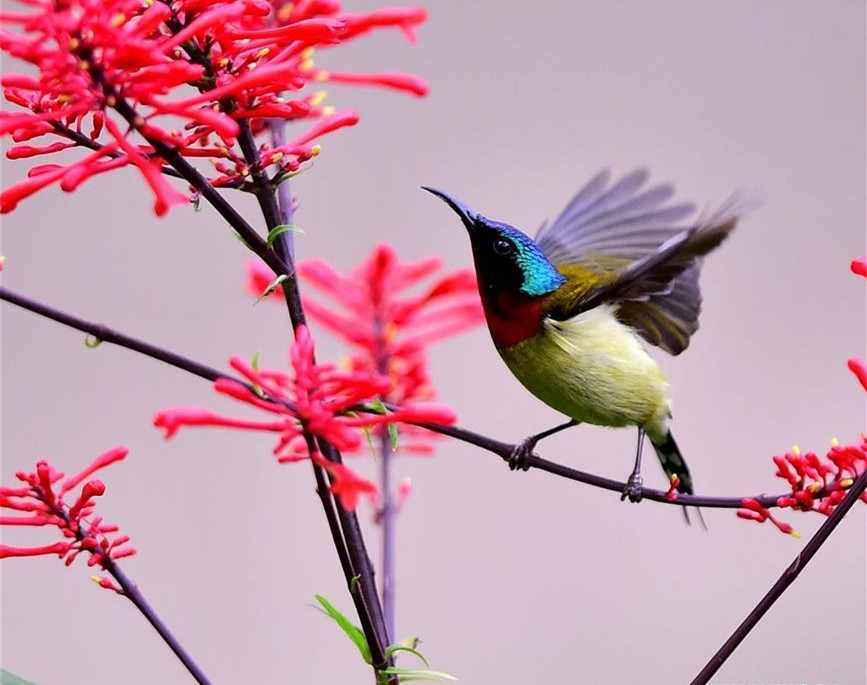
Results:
x,y
540,275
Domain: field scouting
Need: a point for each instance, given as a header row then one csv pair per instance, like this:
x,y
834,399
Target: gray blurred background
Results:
x,y
507,578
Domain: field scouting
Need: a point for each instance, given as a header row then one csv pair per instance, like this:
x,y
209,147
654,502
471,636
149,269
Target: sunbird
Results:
x,y
568,309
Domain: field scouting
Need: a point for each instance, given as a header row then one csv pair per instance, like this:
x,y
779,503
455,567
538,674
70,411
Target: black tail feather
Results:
x,y
673,463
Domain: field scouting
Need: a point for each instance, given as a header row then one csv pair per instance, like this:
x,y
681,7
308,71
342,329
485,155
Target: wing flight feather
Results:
x,y
648,259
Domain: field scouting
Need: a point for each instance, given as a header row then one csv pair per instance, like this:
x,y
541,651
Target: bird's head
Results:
x,y
506,259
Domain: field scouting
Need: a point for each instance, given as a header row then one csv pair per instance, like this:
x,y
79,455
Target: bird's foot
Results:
x,y
520,456
633,488
519,459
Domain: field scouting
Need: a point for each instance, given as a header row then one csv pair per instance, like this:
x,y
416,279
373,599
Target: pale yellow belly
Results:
x,y
595,370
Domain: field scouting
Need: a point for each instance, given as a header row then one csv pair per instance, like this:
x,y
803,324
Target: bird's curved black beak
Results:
x,y
468,216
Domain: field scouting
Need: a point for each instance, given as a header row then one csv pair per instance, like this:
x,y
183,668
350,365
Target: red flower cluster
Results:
x,y
389,332
316,401
817,484
212,64
45,506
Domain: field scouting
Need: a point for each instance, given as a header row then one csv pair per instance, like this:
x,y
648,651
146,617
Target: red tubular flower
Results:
x,y
388,328
45,505
673,485
753,511
859,368
315,401
403,82
213,64
346,484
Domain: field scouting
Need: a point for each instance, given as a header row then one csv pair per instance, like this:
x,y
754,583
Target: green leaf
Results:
x,y
378,407
91,342
406,675
7,678
352,631
272,286
374,407
282,178
390,651
368,438
353,584
277,231
254,362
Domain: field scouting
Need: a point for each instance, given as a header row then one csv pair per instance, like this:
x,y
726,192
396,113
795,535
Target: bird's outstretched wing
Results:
x,y
649,264
624,221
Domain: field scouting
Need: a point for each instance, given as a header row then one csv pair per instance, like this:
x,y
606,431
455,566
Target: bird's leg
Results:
x,y
520,457
632,490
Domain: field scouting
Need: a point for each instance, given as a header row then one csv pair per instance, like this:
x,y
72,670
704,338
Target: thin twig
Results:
x,y
134,595
789,575
129,589
86,141
102,333
497,447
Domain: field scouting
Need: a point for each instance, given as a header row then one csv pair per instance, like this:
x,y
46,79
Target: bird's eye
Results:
x,y
502,246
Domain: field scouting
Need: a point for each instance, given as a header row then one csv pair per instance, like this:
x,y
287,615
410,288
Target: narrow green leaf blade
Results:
x,y
272,286
254,362
403,648
368,438
393,435
375,407
352,631
378,407
406,675
277,231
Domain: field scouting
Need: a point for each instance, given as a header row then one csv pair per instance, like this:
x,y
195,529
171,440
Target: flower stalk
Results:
x,y
388,517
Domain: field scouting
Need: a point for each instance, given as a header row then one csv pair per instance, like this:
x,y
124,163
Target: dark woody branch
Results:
x,y
502,449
